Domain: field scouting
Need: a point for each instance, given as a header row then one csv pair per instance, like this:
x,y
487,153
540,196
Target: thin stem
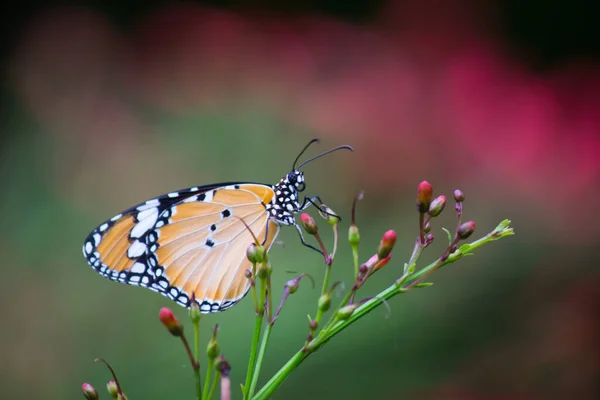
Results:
x,y
197,358
355,259
211,365
252,359
195,365
213,385
336,237
422,228
259,359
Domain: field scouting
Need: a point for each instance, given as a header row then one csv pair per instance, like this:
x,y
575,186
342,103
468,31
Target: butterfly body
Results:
x,y
192,242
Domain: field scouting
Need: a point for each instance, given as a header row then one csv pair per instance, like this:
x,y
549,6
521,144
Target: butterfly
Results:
x,y
191,243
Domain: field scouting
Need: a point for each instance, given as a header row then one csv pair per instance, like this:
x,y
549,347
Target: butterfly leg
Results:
x,y
308,201
304,241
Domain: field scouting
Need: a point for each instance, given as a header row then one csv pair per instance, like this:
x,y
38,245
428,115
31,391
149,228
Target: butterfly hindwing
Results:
x,y
185,242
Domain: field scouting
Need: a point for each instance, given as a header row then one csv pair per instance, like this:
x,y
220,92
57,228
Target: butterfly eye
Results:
x,y
292,178
301,186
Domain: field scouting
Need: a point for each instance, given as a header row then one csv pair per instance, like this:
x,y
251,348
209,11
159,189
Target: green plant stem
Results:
x,y
252,359
196,325
213,385
355,259
268,389
259,359
211,366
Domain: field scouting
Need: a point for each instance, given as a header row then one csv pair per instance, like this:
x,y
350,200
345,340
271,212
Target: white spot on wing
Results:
x,y
116,217
149,204
173,194
138,268
88,247
136,249
97,238
191,199
103,227
147,220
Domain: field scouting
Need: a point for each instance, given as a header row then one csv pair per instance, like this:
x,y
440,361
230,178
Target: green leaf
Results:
x,y
464,248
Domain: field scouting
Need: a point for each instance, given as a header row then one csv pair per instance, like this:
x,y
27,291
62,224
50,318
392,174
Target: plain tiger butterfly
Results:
x,y
193,241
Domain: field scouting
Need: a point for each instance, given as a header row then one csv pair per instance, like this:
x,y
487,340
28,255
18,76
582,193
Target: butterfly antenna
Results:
x,y
325,153
302,152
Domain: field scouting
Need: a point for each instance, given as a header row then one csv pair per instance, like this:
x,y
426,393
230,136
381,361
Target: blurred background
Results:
x,y
106,104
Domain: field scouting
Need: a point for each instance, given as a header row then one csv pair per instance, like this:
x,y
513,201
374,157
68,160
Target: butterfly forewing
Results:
x,y
190,241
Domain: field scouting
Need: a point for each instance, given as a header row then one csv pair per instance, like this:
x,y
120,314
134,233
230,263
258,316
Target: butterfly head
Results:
x,y
295,179
285,202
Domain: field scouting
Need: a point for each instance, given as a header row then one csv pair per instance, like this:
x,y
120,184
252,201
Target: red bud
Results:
x,y
424,195
308,223
387,244
170,322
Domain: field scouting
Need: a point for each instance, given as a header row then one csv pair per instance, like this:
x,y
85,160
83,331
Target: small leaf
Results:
x,y
464,248
503,225
424,284
449,235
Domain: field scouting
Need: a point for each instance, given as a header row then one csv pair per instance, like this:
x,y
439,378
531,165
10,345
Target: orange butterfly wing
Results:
x,y
186,242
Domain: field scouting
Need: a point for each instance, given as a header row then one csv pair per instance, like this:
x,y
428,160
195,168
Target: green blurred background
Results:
x,y
106,105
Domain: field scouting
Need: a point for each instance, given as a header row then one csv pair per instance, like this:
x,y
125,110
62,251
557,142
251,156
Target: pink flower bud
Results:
x,y
170,322
309,224
466,229
437,206
89,392
424,195
387,244
459,196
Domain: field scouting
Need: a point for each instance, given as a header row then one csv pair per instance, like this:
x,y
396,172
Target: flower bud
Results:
x,y
292,285
325,302
309,224
264,270
427,227
424,194
194,311
113,389
466,229
313,324
256,253
248,274
387,244
170,322
329,215
382,262
353,235
459,196
345,312
251,253
437,206
89,392
364,268
212,348
223,366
